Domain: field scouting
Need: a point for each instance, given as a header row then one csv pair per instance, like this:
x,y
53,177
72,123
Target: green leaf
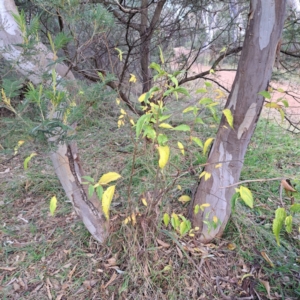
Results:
x,y
182,127
233,200
199,121
91,190
99,191
280,216
208,84
149,132
205,101
144,119
162,139
190,108
88,178
163,118
196,209
288,224
175,222
246,196
181,90
280,90
202,91
265,94
161,55
166,219
184,227
156,67
295,208
197,141
53,203
174,80
282,114
227,113
27,160
207,144
285,102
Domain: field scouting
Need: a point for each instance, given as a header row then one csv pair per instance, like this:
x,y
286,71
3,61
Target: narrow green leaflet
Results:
x,y
182,127
265,94
202,91
197,141
91,190
288,224
208,84
227,113
161,55
280,216
295,208
99,191
246,196
88,178
53,204
166,219
141,122
27,160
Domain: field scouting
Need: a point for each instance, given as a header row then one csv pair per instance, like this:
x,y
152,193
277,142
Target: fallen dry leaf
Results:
x,y
266,257
266,284
179,252
8,268
162,243
113,277
287,186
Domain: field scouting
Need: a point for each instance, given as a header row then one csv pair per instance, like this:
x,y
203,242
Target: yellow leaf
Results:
x,y
211,71
181,147
164,153
120,123
53,203
220,94
132,78
121,117
184,198
272,105
120,53
206,175
215,219
202,206
231,246
128,219
133,218
123,112
118,101
132,122
161,55
106,200
142,97
207,144
179,187
144,201
218,166
227,113
109,177
165,125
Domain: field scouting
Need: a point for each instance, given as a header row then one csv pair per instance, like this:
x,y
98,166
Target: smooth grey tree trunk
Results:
x,y
65,158
263,33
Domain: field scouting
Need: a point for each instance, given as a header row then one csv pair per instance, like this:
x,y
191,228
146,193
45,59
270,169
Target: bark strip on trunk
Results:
x,y
265,25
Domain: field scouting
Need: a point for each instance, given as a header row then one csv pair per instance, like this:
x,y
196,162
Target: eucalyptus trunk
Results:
x,y
265,24
65,157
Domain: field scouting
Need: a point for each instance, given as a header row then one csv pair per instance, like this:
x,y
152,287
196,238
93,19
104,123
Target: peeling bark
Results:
x,y
65,158
265,25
